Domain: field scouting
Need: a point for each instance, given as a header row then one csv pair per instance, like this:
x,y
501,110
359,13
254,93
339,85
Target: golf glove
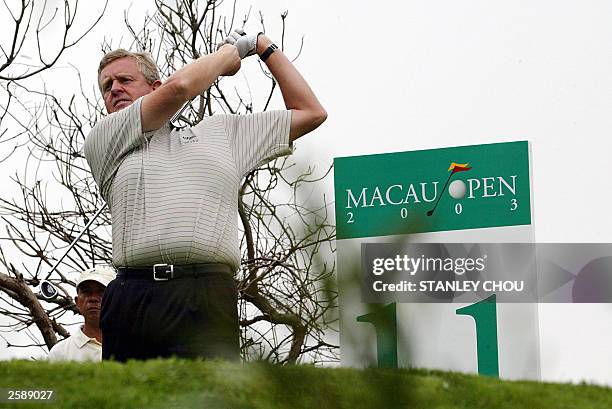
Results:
x,y
246,44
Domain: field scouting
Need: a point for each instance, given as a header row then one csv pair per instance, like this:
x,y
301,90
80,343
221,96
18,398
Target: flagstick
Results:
x,y
429,213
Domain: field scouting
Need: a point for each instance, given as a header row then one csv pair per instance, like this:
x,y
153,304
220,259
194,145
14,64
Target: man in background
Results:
x,y
85,344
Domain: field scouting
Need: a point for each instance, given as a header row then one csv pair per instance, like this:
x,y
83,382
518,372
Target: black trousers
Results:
x,y
187,317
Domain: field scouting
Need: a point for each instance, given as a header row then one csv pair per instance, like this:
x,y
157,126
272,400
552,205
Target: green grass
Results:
x,y
196,384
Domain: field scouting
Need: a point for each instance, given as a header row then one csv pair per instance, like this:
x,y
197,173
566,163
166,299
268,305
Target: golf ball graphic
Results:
x,y
457,189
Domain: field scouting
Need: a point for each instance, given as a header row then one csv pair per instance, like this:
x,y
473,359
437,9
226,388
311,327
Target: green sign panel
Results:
x,y
465,187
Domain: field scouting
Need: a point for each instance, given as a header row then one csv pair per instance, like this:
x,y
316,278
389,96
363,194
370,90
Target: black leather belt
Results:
x,y
165,272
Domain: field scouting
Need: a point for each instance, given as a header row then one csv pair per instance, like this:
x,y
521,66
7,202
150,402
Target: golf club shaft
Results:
x,y
179,112
76,240
441,193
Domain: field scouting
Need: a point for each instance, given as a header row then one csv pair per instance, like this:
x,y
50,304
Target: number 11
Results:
x,y
483,312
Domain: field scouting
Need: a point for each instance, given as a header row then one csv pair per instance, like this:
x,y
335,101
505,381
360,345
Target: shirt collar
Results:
x,y
81,339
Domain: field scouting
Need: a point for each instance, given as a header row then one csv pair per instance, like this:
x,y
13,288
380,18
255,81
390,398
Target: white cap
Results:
x,y
102,274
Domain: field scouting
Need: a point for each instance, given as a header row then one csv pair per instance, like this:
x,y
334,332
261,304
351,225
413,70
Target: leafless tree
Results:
x,y
37,35
46,31
31,23
286,292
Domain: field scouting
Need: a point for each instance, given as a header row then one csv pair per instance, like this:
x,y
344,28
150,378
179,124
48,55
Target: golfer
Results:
x,y
173,196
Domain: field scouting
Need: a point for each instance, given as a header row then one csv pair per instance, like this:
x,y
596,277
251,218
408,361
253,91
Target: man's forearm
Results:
x,y
198,76
308,113
186,83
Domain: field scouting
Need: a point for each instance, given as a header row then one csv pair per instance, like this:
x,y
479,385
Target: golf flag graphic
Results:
x,y
459,167
455,167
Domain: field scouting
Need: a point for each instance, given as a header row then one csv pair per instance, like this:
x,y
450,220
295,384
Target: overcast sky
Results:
x,y
399,76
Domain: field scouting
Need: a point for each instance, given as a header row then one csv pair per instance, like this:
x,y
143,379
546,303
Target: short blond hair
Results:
x,y
144,62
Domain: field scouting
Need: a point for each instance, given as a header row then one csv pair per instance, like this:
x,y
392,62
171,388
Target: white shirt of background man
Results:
x,y
77,347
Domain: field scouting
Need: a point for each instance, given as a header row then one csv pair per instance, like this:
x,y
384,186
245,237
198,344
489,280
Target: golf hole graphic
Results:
x,y
457,189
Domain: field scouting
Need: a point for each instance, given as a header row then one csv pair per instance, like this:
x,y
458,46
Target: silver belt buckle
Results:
x,y
169,268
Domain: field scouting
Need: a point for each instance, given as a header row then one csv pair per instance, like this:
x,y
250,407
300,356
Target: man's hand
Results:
x,y
246,44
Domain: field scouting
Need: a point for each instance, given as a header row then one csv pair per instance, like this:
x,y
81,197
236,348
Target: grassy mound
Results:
x,y
196,384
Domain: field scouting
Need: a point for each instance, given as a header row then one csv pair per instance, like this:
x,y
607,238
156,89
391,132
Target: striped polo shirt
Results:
x,y
173,194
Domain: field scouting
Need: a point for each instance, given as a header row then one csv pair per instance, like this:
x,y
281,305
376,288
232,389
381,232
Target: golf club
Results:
x,y
73,243
180,112
47,290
